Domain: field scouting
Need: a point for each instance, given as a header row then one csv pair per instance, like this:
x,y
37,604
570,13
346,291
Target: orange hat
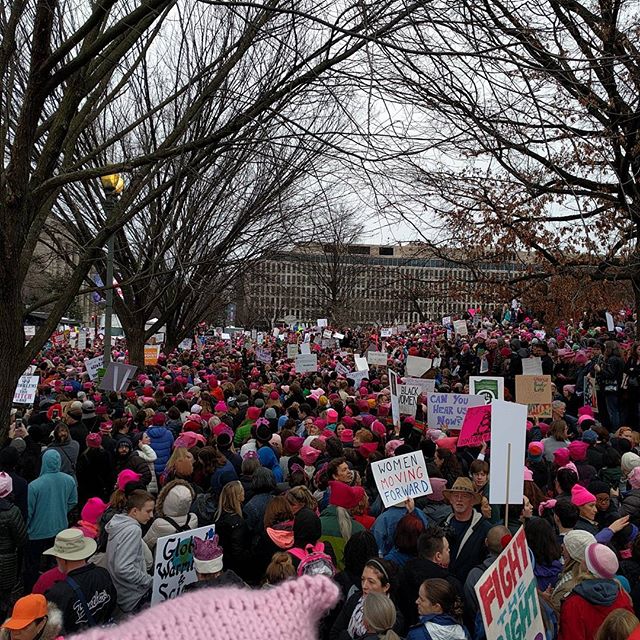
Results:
x,y
25,611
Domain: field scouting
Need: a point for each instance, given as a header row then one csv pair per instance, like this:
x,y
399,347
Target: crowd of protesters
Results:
x,y
280,463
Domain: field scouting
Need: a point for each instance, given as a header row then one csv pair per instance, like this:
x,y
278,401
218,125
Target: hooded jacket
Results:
x,y
125,561
174,501
13,537
438,627
161,442
51,497
585,609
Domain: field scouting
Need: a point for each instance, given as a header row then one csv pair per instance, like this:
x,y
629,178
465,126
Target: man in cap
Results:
x,y
467,528
86,597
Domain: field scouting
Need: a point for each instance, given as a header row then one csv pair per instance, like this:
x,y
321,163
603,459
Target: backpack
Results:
x,y
313,561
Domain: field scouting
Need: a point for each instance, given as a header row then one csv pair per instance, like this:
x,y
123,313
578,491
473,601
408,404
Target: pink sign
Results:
x,y
476,427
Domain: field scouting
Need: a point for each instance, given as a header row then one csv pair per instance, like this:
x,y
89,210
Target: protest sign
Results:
x,y
276,332
408,399
173,563
263,355
151,353
327,334
540,334
93,365
322,322
610,324
357,377
338,336
117,376
386,333
446,321
225,336
460,327
401,477
26,390
292,350
29,331
82,339
535,391
507,594
590,395
361,363
476,427
425,385
306,362
377,358
401,328
531,366
305,348
417,366
395,407
341,369
449,409
508,435
186,344
489,387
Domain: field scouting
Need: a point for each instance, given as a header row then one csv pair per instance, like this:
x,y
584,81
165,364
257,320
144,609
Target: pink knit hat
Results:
x,y
6,484
126,476
93,510
438,485
561,456
528,474
309,455
580,496
578,450
207,555
601,561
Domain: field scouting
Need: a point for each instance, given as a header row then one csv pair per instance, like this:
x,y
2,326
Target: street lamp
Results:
x,y
112,185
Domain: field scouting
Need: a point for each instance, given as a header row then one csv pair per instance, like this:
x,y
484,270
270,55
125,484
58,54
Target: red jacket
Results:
x,y
585,609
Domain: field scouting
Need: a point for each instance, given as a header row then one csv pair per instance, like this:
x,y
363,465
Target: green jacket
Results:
x,y
331,532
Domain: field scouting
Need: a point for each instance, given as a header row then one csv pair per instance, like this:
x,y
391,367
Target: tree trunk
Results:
x,y
635,283
135,344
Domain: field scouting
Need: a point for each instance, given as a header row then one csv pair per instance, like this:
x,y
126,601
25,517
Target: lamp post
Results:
x,y
112,185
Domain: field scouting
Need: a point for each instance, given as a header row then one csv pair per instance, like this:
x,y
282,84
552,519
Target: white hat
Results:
x,y
71,544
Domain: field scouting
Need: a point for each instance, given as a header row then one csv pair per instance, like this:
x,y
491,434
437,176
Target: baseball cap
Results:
x,y
26,610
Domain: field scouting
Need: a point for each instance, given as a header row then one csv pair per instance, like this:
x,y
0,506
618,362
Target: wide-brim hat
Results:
x,y
463,485
72,544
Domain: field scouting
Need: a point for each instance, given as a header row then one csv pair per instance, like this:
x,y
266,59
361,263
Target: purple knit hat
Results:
x,y
207,555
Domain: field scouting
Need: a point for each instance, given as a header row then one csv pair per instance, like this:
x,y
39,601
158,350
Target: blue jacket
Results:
x,y
438,626
51,497
384,528
161,442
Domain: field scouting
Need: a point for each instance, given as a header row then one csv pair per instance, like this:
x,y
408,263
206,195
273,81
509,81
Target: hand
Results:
x,y
20,431
485,508
615,493
619,524
410,505
483,448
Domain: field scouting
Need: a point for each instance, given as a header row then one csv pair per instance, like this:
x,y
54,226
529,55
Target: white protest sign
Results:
x,y
186,344
401,328
159,338
401,477
92,365
490,387
446,321
417,366
260,338
460,327
276,332
449,409
424,384
531,367
377,358
30,370
306,362
26,390
29,331
82,339
361,363
322,322
395,391
292,350
357,377
327,333
610,324
338,336
508,435
117,376
408,399
173,566
305,348
507,594
341,369
386,333
263,355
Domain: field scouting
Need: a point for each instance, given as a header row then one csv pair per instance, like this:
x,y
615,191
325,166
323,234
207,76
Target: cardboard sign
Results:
x,y
507,594
531,366
305,348
186,344
151,353
263,355
292,350
306,362
408,399
26,390
535,391
424,384
357,377
173,566
508,435
401,477
117,376
460,327
377,358
417,366
93,365
361,363
489,387
476,427
449,409
322,322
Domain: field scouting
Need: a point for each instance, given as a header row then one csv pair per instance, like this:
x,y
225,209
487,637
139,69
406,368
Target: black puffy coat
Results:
x,y
13,537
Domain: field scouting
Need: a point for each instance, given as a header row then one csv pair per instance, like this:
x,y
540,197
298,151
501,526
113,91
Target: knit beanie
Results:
x,y
601,561
535,451
233,612
342,495
580,496
125,477
207,555
629,461
561,456
438,485
93,510
6,484
576,543
597,486
578,450
93,440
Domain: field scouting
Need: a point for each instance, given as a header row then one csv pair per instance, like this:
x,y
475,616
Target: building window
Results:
x,y
386,251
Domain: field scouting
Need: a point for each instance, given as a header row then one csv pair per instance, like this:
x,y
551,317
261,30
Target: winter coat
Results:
x,y
79,432
437,512
162,443
585,609
13,537
384,528
51,497
221,476
547,575
340,628
174,502
95,475
470,598
437,626
69,451
149,456
125,561
205,507
331,532
466,552
136,464
630,506
254,511
235,539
